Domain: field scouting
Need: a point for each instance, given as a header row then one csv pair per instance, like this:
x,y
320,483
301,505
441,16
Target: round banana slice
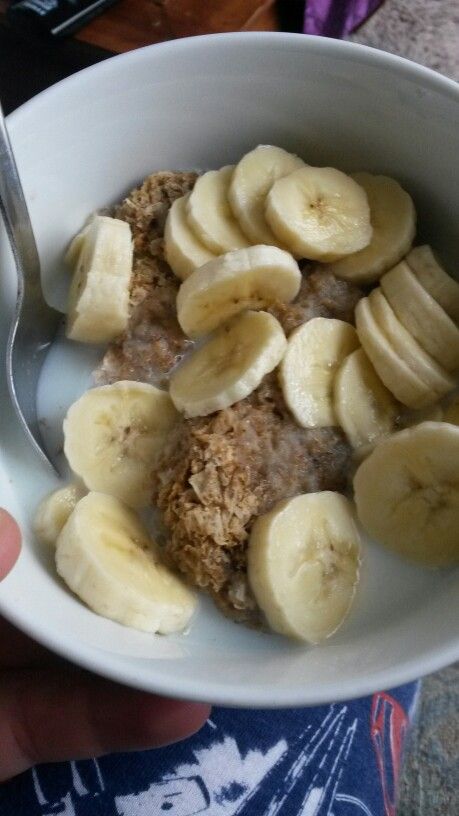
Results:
x,y
401,381
319,213
365,409
210,215
98,304
253,278
113,435
452,411
230,364
443,288
422,316
307,372
408,349
53,511
303,564
76,245
407,493
184,252
107,558
393,219
252,179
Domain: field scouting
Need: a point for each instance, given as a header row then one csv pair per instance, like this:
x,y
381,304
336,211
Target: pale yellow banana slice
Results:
x,y
406,418
303,564
452,411
98,305
407,493
252,179
443,288
307,371
210,215
319,213
184,252
76,245
422,316
53,511
113,435
365,409
107,558
229,366
251,278
393,219
403,383
408,349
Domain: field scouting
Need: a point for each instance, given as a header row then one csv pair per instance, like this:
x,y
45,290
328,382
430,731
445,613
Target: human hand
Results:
x,y
51,710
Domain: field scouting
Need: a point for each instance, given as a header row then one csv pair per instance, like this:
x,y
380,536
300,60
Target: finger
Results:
x,y
49,715
10,542
19,651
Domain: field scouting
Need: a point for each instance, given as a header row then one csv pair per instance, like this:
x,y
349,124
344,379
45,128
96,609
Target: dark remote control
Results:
x,y
54,18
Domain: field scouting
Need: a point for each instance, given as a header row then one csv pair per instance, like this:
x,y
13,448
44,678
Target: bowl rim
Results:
x,y
123,670
328,45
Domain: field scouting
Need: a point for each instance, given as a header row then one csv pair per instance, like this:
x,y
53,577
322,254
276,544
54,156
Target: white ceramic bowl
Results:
x,y
201,103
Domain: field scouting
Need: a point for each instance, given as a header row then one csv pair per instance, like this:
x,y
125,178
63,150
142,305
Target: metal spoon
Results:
x,y
34,324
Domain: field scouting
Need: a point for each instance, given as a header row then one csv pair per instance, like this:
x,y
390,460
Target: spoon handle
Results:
x,y
34,323
16,217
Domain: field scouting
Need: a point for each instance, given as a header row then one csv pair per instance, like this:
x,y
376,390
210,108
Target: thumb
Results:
x,y
10,542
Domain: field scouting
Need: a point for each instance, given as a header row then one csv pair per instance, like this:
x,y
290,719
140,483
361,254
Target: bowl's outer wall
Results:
x,y
195,104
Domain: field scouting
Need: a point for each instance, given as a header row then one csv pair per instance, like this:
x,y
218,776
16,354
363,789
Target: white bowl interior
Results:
x,y
195,104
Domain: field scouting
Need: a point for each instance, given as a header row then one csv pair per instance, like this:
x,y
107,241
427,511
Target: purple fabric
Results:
x,y
337,18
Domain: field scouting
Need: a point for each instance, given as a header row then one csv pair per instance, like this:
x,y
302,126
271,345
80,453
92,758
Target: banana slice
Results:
x,y
53,511
252,179
422,316
407,493
98,305
209,213
76,245
303,564
408,349
253,278
229,366
319,213
184,252
365,409
443,288
107,558
403,383
452,411
393,219
113,435
307,372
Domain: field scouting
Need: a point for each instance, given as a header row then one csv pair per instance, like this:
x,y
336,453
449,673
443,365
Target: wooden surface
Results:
x,y
134,23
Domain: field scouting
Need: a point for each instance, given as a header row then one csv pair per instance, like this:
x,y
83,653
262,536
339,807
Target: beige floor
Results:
x,y
426,31
430,784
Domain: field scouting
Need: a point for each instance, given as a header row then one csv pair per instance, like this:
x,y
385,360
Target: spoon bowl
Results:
x,y
34,323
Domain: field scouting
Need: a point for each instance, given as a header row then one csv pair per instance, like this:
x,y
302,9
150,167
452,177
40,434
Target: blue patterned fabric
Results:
x,y
340,760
